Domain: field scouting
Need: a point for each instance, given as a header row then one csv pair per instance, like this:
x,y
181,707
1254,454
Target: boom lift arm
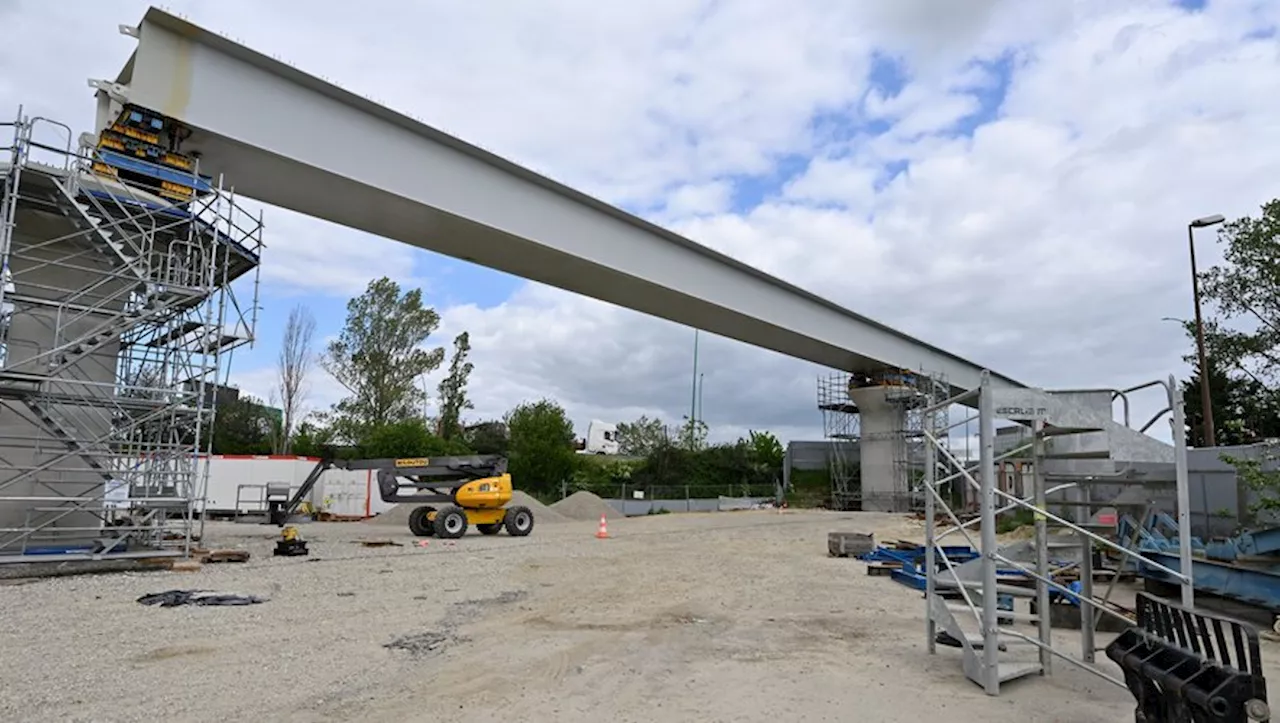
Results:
x,y
434,479
472,489
278,514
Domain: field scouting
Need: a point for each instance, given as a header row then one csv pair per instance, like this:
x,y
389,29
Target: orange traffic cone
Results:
x,y
603,532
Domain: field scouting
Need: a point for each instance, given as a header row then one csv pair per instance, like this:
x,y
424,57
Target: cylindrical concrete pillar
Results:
x,y
881,426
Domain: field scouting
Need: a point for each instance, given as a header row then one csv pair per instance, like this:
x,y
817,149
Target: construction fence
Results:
x,y
633,500
1221,504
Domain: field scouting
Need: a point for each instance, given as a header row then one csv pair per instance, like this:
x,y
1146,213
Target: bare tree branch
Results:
x,y
292,369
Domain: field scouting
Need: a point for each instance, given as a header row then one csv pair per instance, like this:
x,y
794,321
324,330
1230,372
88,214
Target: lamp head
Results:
x,y
1213,220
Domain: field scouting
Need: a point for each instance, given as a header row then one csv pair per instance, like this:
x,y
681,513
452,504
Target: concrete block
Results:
x,y
849,544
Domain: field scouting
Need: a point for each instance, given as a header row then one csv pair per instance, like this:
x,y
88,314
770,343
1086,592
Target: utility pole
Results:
x,y
1206,399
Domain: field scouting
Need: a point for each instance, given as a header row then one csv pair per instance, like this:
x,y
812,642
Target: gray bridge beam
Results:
x,y
290,139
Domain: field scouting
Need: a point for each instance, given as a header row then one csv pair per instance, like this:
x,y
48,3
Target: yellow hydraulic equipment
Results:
x,y
290,543
884,378
452,493
480,502
141,148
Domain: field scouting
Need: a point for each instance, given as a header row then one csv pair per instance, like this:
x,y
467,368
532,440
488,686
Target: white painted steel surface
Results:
x,y
293,140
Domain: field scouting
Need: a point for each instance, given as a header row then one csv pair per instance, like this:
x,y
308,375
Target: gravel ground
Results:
x,y
716,617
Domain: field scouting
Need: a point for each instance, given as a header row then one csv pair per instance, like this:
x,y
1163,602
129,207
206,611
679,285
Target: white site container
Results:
x,y
237,482
343,492
351,493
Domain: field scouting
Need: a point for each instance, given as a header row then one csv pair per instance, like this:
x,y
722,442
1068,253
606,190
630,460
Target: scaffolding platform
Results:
x,y
120,303
910,391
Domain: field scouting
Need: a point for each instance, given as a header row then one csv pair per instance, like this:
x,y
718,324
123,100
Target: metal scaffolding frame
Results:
x,y
840,427
983,623
913,392
119,310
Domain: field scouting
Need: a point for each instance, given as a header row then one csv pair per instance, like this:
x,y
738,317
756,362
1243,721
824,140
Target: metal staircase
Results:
x,y
1075,449
120,304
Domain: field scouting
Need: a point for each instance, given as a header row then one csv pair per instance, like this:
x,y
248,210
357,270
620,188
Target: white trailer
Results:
x,y
237,485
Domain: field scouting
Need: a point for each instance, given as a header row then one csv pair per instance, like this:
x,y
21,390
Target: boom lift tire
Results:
x,y
451,523
490,528
420,521
518,520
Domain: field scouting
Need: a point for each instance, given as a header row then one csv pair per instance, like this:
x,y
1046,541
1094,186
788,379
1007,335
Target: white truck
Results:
x,y
602,438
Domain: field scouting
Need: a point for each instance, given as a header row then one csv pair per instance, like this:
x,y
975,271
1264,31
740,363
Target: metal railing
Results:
x,y
982,656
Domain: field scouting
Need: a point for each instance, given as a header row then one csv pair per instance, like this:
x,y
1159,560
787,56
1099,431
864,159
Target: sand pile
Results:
x,y
583,505
399,515
541,513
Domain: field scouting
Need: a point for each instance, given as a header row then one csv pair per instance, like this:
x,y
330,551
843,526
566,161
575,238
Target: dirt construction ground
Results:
x,y
716,617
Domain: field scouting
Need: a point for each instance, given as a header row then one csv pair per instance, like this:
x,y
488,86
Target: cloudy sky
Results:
x,y
1008,180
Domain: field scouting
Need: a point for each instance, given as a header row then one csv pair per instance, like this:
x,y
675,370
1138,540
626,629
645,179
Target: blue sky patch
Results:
x,y
888,75
749,192
991,98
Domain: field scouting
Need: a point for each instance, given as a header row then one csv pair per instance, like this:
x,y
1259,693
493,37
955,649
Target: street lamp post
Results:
x,y
693,394
1206,401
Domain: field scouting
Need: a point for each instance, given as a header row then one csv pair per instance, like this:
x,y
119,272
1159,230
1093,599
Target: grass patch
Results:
x,y
1011,521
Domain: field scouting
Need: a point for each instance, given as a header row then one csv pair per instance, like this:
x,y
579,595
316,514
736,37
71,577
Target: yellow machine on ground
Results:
x,y
290,543
480,502
453,493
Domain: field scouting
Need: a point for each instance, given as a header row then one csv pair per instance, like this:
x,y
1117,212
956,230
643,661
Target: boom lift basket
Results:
x,y
1191,667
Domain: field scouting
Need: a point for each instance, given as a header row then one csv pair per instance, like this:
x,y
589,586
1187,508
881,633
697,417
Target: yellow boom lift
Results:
x,y
452,493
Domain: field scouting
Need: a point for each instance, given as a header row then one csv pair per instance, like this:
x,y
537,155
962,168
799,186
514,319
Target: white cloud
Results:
x,y
699,199
304,255
841,181
1049,244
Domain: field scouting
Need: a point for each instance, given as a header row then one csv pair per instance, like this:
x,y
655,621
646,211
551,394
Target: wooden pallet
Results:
x,y
883,568
331,517
202,555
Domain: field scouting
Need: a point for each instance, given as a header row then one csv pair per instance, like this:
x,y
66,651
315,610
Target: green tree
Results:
x,y
641,437
1242,343
692,435
603,477
407,438
1243,296
311,439
541,455
489,437
379,358
453,389
1241,334
721,469
1259,471
242,425
1244,410
766,451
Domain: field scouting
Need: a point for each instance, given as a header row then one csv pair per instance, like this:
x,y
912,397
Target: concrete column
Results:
x,y
881,424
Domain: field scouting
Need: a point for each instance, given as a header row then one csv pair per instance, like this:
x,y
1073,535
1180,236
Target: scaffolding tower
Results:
x,y
119,308
914,394
840,428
